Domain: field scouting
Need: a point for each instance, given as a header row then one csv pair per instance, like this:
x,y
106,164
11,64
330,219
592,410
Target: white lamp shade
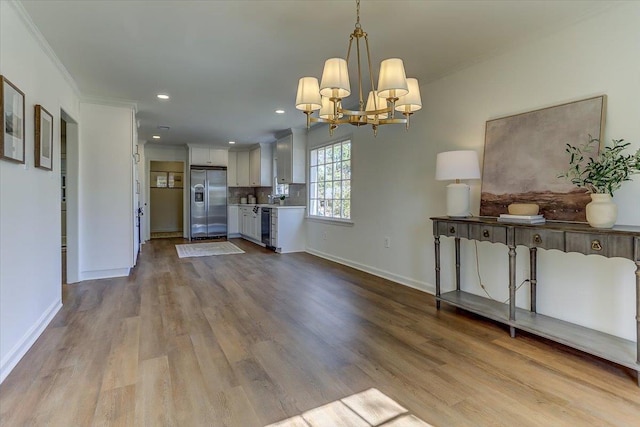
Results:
x,y
411,101
308,96
327,112
335,79
392,81
462,164
372,106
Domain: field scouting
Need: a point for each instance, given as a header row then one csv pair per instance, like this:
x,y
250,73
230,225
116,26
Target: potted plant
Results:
x,y
601,176
282,197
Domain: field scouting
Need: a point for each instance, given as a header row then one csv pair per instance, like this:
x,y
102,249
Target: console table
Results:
x,y
620,241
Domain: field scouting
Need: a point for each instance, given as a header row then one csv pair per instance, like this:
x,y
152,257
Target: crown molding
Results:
x,y
112,102
33,29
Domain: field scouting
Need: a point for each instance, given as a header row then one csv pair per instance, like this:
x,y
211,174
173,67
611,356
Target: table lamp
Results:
x,y
457,165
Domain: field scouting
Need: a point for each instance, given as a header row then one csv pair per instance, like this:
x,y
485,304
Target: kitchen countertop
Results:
x,y
264,205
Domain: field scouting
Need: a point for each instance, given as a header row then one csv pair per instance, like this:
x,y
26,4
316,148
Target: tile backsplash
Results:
x,y
297,194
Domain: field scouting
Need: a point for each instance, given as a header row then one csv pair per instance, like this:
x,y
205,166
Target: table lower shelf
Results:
x,y
606,346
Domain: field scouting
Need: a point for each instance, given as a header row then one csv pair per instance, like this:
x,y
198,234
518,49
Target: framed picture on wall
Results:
x,y
43,138
11,121
525,153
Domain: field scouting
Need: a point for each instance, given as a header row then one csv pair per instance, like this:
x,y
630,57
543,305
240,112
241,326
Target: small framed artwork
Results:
x,y
43,138
11,121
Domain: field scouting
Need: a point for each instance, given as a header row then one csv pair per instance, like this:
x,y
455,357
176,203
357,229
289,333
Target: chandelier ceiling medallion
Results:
x,y
395,91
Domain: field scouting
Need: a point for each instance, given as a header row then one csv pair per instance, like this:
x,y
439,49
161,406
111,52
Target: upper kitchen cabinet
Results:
x,y
291,149
206,156
260,166
232,169
238,169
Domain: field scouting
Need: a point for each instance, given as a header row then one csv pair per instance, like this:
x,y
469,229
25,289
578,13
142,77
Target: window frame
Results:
x,y
310,198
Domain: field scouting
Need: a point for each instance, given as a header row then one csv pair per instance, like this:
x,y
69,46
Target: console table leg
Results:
x,y
512,331
437,244
512,287
533,281
637,260
457,263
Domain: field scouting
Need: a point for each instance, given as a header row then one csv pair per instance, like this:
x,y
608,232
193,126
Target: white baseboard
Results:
x,y
406,281
20,349
104,274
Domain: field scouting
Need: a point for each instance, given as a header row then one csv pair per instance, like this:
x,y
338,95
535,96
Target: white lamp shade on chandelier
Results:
x,y
335,79
457,165
394,91
308,96
392,81
376,103
328,111
410,102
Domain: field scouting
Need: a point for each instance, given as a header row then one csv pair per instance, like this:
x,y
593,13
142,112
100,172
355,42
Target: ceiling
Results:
x,y
228,65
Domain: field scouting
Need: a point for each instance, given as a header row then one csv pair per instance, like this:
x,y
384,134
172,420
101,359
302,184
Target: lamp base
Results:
x,y
458,200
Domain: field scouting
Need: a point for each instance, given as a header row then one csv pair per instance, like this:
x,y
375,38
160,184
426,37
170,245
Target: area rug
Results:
x,y
207,249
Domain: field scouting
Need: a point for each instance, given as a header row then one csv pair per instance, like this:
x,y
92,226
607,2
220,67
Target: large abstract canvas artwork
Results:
x,y
525,153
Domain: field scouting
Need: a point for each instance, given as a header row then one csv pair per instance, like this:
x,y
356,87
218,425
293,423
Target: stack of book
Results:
x,y
522,219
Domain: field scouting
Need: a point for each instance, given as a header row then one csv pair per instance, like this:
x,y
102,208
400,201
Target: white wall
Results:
x,y
394,191
106,199
165,153
30,232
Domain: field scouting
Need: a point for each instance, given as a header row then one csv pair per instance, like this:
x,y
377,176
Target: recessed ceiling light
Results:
x,y
279,111
162,96
156,137
232,142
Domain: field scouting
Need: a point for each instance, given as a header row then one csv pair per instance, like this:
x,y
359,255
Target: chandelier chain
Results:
x,y
358,14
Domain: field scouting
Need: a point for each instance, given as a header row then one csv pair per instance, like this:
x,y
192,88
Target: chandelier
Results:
x,y
395,91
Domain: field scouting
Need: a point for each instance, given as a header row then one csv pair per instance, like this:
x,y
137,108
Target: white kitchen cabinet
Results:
x,y
250,224
287,229
206,156
291,151
238,169
242,221
260,166
233,226
232,169
242,169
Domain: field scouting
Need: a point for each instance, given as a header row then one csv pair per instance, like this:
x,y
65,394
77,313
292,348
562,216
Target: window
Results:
x,y
330,181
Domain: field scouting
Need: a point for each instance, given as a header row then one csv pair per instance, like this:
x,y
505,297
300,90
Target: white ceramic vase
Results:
x,y
601,211
281,202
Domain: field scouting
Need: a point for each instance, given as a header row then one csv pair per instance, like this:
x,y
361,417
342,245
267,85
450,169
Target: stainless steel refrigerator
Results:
x,y
208,202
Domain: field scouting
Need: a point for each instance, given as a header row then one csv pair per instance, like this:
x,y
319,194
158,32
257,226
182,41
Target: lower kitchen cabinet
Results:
x,y
249,223
233,225
287,229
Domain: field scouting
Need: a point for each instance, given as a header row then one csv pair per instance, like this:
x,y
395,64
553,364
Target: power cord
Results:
x,y
480,278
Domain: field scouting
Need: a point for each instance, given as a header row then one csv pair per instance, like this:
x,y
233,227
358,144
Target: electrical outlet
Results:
x,y
387,242
324,235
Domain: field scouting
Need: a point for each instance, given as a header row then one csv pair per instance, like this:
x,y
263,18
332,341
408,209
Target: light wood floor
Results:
x,y
250,339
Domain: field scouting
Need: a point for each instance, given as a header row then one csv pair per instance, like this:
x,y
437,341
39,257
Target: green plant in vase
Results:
x,y
601,175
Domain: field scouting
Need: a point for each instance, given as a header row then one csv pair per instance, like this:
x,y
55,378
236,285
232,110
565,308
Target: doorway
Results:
x,y
63,197
69,167
166,199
